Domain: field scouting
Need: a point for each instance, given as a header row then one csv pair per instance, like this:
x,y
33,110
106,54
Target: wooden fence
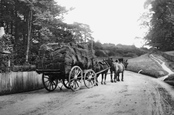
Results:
x,y
15,82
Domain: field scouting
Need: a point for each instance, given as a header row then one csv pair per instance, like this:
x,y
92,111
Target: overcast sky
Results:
x,y
112,21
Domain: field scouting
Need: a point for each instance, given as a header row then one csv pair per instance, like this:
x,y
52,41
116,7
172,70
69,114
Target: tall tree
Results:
x,y
161,23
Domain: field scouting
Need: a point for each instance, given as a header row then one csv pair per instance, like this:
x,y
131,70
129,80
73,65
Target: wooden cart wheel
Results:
x,y
49,82
89,78
75,77
66,83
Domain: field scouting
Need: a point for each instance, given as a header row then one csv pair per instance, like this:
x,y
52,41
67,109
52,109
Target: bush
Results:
x,y
100,53
130,55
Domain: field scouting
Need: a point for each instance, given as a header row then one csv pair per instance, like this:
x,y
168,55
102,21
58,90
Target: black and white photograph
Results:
x,y
86,57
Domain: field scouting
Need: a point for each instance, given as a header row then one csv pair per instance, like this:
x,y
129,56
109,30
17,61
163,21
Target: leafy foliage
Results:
x,y
45,18
108,49
161,24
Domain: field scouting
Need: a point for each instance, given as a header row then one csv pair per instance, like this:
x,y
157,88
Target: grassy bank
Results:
x,y
146,65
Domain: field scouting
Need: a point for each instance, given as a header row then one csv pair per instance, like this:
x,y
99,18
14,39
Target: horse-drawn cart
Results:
x,y
68,65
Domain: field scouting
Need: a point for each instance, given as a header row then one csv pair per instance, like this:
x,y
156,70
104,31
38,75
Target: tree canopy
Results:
x,y
119,50
161,24
32,23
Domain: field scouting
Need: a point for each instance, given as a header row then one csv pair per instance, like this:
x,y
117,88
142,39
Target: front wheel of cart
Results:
x,y
66,83
75,77
49,82
89,78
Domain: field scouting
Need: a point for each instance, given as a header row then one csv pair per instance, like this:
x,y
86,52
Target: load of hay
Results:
x,y
64,56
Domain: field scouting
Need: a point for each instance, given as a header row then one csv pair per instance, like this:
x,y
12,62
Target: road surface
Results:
x,y
136,95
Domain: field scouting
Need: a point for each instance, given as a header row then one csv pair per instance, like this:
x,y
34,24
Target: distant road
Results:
x,y
137,95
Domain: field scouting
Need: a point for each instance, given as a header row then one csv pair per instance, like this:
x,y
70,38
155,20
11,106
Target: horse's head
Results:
x,y
109,61
96,66
106,62
117,61
125,63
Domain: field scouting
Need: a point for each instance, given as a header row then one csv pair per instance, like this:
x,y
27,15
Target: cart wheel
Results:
x,y
89,78
75,77
49,82
66,83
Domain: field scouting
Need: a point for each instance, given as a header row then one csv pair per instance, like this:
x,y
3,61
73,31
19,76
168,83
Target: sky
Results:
x,y
112,21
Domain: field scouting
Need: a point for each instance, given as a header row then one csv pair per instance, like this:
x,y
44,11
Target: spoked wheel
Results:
x,y
75,77
89,78
66,83
49,82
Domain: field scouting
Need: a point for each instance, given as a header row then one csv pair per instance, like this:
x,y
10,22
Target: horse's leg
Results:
x,y
115,76
102,78
118,76
122,76
105,77
96,84
111,75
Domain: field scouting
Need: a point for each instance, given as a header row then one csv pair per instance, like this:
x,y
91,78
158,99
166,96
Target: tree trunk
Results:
x,y
1,13
29,36
7,27
11,28
16,26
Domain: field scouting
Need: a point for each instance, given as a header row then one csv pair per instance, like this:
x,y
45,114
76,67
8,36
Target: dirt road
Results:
x,y
137,95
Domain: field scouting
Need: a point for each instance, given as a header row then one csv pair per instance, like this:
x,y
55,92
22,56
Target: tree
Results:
x,y
36,22
24,18
161,24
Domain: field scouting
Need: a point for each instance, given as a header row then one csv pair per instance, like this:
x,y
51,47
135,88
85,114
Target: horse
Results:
x,y
116,67
105,67
99,66
124,62
112,68
119,68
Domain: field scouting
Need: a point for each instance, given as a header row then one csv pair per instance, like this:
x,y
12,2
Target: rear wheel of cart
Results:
x,y
89,78
49,82
75,77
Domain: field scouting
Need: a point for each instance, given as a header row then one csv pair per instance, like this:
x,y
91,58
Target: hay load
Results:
x,y
64,56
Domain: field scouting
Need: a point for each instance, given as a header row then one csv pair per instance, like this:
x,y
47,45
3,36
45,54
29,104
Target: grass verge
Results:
x,y
147,65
